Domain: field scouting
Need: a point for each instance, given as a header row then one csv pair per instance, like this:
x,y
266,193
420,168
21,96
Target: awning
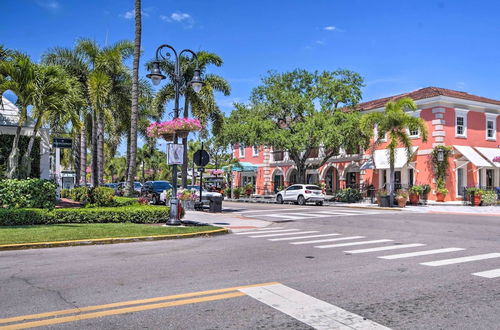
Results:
x,y
473,156
381,158
491,154
245,167
368,165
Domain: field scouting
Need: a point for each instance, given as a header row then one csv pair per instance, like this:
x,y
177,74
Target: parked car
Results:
x,y
121,188
153,189
113,186
301,194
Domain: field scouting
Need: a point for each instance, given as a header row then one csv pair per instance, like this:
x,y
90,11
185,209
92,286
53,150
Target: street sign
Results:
x,y
62,143
201,158
175,154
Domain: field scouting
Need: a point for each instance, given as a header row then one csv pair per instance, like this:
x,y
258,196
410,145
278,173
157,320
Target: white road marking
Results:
x,y
285,234
328,240
383,248
420,253
296,216
269,231
309,310
279,210
462,259
301,237
355,243
348,212
489,273
270,228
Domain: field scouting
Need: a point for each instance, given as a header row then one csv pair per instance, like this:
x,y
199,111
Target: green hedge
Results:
x,y
99,196
30,193
348,195
134,214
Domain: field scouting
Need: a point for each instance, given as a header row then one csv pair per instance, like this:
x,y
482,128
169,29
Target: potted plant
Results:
x,y
415,192
441,190
248,189
237,192
179,126
401,197
383,198
474,194
426,189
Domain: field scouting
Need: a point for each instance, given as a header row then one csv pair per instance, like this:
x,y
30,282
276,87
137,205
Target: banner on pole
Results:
x,y
175,154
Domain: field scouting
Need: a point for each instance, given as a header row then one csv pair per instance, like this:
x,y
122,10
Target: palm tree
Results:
x,y
18,75
203,104
395,122
135,108
55,98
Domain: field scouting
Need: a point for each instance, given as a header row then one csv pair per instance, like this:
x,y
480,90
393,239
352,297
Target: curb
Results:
x,y
99,241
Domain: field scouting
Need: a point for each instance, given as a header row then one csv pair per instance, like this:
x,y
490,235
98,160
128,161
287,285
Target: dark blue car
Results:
x,y
152,190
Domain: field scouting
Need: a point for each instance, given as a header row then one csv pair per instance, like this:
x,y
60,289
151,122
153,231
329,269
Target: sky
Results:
x,y
397,46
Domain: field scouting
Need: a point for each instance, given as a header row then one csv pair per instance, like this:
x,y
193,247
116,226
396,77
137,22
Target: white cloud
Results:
x,y
330,28
50,4
131,14
319,42
177,17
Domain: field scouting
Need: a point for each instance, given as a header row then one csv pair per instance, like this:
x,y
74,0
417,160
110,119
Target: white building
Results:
x,y
9,117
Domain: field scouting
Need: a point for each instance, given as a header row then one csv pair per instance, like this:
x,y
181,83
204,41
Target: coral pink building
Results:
x,y
467,123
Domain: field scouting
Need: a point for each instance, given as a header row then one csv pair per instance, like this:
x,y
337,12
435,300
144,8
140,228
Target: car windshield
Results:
x,y
162,185
313,188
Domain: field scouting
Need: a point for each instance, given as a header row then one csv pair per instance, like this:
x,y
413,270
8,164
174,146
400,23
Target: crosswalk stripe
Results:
x,y
348,212
279,210
354,243
489,273
294,216
285,234
269,231
462,259
420,253
327,240
383,248
269,228
301,237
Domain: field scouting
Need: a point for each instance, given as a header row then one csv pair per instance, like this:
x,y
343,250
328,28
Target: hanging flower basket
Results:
x,y
179,126
168,136
216,172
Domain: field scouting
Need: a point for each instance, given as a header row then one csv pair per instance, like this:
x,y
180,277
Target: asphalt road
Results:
x,y
397,293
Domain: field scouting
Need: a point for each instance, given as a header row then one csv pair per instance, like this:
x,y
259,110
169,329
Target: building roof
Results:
x,y
425,93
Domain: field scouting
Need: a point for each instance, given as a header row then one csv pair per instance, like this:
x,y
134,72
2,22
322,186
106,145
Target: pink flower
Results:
x,y
171,126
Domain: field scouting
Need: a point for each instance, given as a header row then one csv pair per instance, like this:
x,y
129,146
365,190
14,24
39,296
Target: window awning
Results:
x,y
491,154
381,158
368,165
245,167
473,156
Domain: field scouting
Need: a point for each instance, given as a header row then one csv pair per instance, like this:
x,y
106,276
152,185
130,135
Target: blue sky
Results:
x,y
397,46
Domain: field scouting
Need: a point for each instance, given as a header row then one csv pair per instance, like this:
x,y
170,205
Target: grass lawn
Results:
x,y
66,232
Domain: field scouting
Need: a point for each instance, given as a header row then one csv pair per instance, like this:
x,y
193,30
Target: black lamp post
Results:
x,y
196,83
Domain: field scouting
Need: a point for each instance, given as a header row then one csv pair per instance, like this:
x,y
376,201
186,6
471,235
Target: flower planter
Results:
x,y
182,133
401,201
440,197
414,199
384,201
476,200
188,205
168,137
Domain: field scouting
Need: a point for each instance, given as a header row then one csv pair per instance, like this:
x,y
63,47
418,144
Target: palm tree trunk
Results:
x,y
26,159
76,155
391,184
127,157
184,168
94,175
135,97
100,147
83,156
13,161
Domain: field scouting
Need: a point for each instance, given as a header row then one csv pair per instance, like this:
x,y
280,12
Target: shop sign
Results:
x,y
496,159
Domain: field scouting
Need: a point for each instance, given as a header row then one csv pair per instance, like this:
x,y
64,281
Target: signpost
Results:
x,y
201,158
58,144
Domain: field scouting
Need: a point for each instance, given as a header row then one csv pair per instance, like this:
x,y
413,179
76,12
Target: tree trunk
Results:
x,y
135,97
83,155
391,184
26,159
13,161
94,175
127,157
76,155
184,168
100,147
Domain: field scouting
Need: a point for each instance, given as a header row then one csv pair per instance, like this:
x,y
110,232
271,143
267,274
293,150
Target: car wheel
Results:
x,y
155,200
279,199
319,203
301,200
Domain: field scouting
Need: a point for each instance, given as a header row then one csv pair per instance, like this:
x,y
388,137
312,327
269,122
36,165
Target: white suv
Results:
x,y
301,194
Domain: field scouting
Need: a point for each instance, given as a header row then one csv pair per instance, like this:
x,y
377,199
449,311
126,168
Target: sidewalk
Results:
x,y
226,220
456,209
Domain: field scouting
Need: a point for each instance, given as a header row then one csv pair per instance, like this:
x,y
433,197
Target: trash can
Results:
x,y
385,201
215,204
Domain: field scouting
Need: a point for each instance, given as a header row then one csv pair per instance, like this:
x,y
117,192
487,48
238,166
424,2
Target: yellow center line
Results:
x,y
125,303
80,317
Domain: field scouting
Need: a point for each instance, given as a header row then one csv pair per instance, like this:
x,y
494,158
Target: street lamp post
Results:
x,y
196,83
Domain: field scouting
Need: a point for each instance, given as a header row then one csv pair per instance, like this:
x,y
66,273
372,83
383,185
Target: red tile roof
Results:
x,y
425,93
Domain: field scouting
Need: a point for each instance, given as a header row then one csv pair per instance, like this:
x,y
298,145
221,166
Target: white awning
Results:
x,y
381,158
473,156
491,154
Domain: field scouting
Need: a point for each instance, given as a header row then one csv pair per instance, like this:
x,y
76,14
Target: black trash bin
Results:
x,y
215,204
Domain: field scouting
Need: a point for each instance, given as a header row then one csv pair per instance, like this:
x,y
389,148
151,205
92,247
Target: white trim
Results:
x,y
254,153
241,149
493,118
464,177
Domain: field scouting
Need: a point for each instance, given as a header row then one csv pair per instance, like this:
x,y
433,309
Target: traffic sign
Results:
x,y
62,143
201,158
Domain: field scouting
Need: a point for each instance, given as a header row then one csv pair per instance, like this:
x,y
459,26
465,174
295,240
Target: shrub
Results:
x,y
135,214
417,190
128,201
102,196
489,197
30,193
348,195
